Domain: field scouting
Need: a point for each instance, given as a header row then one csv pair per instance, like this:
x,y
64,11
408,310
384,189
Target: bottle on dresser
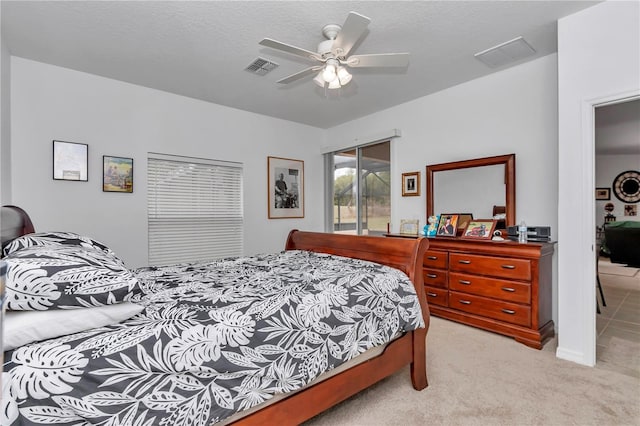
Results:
x,y
522,232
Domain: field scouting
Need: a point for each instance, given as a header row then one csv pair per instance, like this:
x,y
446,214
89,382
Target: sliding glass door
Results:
x,y
361,189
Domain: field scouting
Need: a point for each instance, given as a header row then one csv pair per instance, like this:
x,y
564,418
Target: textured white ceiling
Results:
x,y
200,49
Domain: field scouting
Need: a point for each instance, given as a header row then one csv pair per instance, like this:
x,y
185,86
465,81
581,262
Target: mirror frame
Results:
x,y
509,162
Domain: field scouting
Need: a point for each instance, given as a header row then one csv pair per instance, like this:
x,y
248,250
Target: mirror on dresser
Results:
x,y
480,186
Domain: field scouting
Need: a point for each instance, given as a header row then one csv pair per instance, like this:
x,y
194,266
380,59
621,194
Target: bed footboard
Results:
x,y
405,254
401,253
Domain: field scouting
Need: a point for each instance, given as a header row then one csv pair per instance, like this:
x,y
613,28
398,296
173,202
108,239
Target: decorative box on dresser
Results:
x,y
500,286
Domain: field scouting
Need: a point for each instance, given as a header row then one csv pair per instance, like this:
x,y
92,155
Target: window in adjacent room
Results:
x,y
360,183
195,209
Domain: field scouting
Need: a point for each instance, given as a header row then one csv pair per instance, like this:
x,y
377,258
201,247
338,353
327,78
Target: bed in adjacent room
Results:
x,y
266,339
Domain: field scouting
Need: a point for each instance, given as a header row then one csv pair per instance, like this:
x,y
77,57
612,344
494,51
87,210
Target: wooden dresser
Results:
x,y
500,286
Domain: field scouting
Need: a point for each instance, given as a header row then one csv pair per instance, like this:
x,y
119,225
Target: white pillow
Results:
x,y
22,327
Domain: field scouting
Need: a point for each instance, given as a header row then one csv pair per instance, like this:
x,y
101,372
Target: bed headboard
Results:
x,y
14,223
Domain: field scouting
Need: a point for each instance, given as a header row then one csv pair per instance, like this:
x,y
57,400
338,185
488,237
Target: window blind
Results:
x,y
195,209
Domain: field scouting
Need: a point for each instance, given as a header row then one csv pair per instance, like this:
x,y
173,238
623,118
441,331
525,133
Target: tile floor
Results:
x,y
619,322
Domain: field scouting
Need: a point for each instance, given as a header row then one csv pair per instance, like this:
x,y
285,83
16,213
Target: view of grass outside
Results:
x,y
376,206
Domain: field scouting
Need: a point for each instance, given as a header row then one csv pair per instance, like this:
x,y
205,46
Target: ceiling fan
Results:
x,y
333,54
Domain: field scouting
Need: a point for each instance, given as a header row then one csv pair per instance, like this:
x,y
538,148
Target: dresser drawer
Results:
x,y
435,259
502,267
510,291
437,296
491,308
435,277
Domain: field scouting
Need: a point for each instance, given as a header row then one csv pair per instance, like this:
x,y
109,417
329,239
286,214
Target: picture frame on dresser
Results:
x,y
480,229
409,226
463,220
448,225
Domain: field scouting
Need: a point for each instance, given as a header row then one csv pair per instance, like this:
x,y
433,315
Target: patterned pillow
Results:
x,y
65,277
55,239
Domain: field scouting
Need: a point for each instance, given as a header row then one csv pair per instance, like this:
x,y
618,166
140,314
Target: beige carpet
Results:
x,y
481,378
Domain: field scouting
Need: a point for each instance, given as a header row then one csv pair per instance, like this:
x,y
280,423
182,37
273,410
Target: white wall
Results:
x,y
512,111
598,59
607,168
5,124
122,119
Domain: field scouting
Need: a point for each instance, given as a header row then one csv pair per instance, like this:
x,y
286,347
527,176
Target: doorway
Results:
x,y
617,150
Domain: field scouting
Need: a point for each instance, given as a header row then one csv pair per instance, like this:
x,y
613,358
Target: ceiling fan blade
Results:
x,y
353,28
274,44
299,75
379,60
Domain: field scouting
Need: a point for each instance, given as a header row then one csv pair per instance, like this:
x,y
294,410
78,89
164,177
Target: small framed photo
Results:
x,y
117,174
463,220
630,210
285,188
448,225
409,227
410,184
603,193
480,229
70,161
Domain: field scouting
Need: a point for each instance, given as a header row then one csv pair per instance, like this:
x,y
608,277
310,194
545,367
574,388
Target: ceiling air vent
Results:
x,y
507,52
261,66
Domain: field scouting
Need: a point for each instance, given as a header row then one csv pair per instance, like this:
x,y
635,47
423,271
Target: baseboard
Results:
x,y
573,356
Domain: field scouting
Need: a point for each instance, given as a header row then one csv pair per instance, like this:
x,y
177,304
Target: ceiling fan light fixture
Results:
x,y
343,76
335,84
333,55
329,73
319,80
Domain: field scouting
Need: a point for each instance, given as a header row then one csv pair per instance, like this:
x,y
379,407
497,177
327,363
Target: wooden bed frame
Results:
x,y
401,253
410,349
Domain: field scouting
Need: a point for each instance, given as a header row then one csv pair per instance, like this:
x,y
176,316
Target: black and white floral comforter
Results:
x,y
215,338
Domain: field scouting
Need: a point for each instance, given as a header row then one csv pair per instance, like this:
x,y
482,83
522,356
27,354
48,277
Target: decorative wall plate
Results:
x,y
626,186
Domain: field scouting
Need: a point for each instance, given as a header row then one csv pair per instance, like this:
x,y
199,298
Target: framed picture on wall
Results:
x,y
410,184
117,174
285,178
631,210
603,193
70,161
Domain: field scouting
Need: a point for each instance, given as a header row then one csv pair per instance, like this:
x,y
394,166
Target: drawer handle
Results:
x,y
465,262
509,289
431,294
432,257
508,311
465,282
465,302
508,267
432,276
